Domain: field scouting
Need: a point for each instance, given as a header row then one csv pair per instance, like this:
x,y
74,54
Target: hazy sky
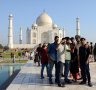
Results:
x,y
63,13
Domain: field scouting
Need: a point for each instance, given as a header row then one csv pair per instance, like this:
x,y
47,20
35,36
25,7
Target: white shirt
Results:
x,y
67,53
60,53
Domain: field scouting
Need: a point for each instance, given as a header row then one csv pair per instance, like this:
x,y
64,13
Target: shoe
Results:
x,y
82,82
74,80
50,82
68,81
80,78
62,75
90,84
61,85
56,81
42,77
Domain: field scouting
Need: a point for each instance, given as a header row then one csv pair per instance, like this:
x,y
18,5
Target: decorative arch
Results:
x,y
44,37
34,41
34,34
60,35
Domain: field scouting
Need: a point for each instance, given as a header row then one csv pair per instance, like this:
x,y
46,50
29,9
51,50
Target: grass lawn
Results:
x,y
7,53
16,61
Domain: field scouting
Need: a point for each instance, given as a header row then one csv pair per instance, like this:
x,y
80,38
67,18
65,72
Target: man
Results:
x,y
64,43
78,44
84,52
60,61
67,59
39,50
91,48
91,51
94,51
52,55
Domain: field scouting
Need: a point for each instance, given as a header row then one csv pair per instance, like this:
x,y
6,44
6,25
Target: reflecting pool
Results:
x,y
6,70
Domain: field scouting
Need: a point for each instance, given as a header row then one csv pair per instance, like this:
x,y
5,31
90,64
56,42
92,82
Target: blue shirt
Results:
x,y
52,52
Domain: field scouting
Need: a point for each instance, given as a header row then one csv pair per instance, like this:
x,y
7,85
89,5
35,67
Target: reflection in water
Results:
x,y
10,70
7,70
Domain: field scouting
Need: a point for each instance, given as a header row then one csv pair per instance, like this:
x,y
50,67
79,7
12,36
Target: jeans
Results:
x,y
39,59
59,71
51,64
67,66
42,69
85,72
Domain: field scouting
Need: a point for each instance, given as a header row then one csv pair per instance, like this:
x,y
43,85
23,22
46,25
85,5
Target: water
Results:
x,y
7,70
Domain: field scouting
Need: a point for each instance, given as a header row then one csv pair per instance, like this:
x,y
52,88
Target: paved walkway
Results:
x,y
29,79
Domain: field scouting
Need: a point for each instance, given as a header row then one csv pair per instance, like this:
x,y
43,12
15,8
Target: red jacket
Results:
x,y
44,57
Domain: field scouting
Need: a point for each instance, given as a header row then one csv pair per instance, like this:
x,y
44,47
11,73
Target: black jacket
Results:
x,y
84,54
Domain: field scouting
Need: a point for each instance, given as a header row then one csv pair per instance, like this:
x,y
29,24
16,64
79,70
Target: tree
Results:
x,y
1,46
6,47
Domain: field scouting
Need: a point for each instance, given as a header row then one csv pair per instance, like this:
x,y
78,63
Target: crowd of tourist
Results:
x,y
70,56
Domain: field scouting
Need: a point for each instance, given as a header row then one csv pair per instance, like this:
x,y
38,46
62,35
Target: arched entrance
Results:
x,y
44,37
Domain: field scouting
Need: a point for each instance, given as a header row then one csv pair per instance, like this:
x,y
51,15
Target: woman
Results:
x,y
74,69
44,60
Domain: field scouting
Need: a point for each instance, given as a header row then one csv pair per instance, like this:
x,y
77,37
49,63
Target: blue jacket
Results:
x,y
52,52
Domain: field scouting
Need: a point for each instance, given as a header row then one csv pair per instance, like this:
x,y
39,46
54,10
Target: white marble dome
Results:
x,y
44,19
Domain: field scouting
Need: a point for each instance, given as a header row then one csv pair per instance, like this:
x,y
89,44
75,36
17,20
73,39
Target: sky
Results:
x,y
62,12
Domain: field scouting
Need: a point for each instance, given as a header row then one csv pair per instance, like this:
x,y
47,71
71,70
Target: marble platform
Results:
x,y
29,79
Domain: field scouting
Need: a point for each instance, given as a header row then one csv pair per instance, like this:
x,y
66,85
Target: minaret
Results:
x,y
10,32
77,26
20,36
27,36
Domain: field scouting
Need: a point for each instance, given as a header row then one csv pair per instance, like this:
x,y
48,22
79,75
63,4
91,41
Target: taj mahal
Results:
x,y
42,31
